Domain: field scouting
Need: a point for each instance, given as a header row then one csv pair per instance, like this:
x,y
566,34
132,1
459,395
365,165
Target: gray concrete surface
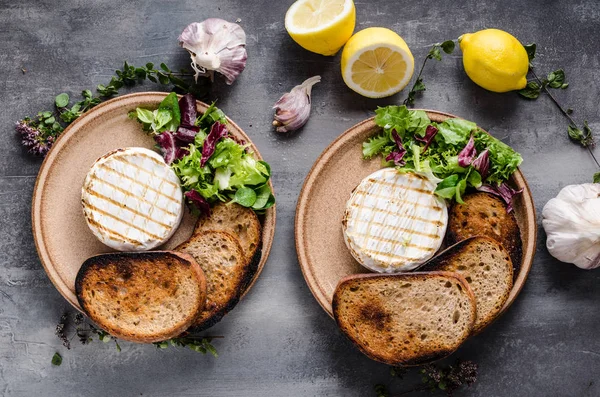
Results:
x,y
278,341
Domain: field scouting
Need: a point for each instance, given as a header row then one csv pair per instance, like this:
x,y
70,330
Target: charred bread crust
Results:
x,y
122,263
423,359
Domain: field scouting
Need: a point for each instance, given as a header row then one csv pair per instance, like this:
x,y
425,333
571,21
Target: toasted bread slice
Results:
x,y
405,319
227,273
240,222
144,296
486,266
483,214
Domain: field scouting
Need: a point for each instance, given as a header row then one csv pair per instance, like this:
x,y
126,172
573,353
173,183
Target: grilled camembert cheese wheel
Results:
x,y
132,200
393,221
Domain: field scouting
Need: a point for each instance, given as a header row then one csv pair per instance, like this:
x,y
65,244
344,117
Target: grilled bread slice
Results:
x,y
405,319
486,266
240,222
227,273
485,215
141,297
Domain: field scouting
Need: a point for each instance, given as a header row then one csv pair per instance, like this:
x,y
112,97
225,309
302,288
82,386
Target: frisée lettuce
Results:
x,y
210,163
455,153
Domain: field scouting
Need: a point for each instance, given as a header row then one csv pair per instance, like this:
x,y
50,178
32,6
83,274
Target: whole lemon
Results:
x,y
494,60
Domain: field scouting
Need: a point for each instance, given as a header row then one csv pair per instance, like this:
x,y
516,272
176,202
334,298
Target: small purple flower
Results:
x,y
33,139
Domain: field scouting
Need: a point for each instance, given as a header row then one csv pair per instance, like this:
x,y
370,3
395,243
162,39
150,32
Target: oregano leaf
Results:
x,y
62,100
530,49
448,46
56,359
531,90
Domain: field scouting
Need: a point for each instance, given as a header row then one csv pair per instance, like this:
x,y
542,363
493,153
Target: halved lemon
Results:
x,y
376,62
321,26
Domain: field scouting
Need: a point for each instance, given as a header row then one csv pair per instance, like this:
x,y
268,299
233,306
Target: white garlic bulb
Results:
x,y
572,223
215,45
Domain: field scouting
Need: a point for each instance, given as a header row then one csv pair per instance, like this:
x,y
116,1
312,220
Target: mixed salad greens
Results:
x,y
455,153
210,163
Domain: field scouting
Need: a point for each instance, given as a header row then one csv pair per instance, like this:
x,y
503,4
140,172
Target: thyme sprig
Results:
x,y
435,378
197,343
434,53
557,80
39,133
86,333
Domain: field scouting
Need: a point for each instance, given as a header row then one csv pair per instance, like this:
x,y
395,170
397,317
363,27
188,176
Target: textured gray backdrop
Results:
x,y
278,341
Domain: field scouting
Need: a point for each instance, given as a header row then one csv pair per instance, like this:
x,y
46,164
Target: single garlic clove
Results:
x,y
215,45
293,108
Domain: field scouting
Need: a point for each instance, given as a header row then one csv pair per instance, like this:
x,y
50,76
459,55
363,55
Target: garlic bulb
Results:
x,y
293,108
215,45
572,223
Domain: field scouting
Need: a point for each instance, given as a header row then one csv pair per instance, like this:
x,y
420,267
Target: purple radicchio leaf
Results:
x,y
198,201
217,131
186,134
181,153
168,146
482,164
293,108
466,156
187,107
504,191
430,133
397,154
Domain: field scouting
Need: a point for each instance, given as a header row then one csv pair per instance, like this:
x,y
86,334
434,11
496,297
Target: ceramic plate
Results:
x,y
322,254
62,237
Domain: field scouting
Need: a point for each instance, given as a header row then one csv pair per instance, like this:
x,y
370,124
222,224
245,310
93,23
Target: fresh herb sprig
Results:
x,y
434,53
557,80
39,133
435,378
71,325
199,344
56,359
84,331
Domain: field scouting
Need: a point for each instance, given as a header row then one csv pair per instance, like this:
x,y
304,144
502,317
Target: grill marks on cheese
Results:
x,y
393,221
132,199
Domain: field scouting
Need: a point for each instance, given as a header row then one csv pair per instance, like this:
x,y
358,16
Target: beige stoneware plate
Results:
x,y
62,237
322,254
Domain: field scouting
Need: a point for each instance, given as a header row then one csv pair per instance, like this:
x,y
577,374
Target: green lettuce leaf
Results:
x,y
440,161
503,159
418,122
170,106
212,115
376,145
455,131
392,117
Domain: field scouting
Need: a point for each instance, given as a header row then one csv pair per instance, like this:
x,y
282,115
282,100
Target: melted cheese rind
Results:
x,y
132,200
394,222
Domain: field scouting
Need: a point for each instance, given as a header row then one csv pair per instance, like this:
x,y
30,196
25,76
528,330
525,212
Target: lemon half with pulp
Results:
x,y
376,62
321,26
